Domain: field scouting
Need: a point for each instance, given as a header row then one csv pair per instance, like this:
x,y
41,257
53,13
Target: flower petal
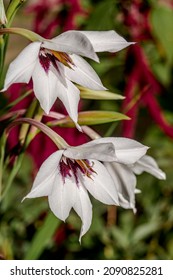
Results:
x,y
148,164
83,74
100,185
127,151
66,195
125,181
70,96
102,151
21,68
106,40
45,87
44,180
83,208
63,197
72,42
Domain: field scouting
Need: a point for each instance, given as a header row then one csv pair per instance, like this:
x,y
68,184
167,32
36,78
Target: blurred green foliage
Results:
x,y
28,229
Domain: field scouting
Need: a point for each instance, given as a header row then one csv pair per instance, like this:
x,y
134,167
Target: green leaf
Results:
x,y
42,237
86,93
90,118
120,237
12,9
145,231
163,72
161,19
102,17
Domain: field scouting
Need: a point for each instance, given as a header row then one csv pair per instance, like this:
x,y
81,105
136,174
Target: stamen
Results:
x,y
47,57
64,58
70,167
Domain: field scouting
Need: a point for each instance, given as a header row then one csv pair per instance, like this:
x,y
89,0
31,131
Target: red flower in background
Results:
x,y
141,78
52,14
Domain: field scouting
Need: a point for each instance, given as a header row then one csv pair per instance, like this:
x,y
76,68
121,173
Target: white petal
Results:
x,y
45,87
127,151
60,73
70,97
106,40
125,181
44,180
20,70
83,74
83,208
100,151
101,185
63,197
72,42
148,164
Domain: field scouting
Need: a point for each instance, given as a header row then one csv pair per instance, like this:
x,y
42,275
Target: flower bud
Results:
x,y
3,19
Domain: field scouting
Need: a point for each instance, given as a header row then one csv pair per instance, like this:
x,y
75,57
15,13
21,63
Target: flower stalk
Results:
x,y
56,138
30,35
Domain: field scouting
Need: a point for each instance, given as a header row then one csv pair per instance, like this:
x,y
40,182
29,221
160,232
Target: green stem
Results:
x,y
30,113
16,101
2,155
55,137
42,237
13,173
1,59
12,9
30,35
110,130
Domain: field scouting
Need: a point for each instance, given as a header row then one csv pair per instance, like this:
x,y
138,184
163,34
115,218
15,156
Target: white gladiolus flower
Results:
x,y
69,174
55,64
124,178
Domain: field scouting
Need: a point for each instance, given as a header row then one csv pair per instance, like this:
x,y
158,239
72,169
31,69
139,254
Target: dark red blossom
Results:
x,y
142,87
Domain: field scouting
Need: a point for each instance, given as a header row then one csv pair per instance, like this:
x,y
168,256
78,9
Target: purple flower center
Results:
x,y
72,168
48,57
44,61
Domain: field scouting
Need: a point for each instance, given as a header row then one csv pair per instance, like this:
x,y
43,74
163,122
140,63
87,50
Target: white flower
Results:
x,y
68,175
124,177
3,19
54,64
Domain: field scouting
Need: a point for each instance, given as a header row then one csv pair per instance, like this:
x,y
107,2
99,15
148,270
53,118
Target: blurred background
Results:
x,y
143,74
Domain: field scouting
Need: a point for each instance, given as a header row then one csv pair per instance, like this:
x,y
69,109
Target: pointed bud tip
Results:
x,y
162,175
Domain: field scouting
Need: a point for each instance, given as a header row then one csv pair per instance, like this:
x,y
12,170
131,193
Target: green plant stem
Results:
x,y
1,59
13,173
16,101
30,113
12,9
2,155
42,237
110,130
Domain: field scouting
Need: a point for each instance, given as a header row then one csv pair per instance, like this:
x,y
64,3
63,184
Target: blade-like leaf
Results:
x,y
42,237
91,118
